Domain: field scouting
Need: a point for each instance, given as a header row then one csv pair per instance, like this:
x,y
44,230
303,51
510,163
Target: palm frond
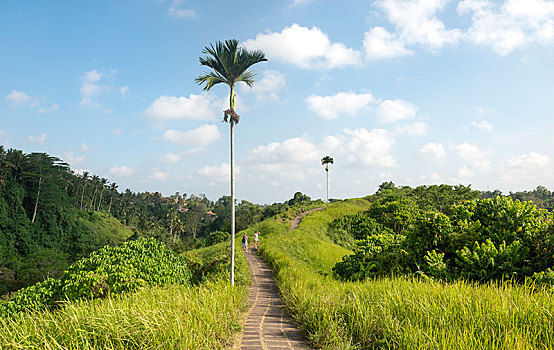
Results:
x,y
210,79
247,77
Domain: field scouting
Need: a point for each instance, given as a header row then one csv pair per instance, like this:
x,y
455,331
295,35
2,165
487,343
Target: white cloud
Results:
x,y
509,25
124,91
220,173
50,109
381,44
415,128
300,2
390,111
433,151
72,158
170,158
362,148
292,151
176,10
159,175
18,98
90,88
38,139
267,88
304,47
122,171
203,135
199,107
530,161
483,125
416,22
473,155
330,107
433,178
84,146
464,172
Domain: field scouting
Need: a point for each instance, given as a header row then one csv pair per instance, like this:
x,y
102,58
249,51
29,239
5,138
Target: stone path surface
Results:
x,y
267,326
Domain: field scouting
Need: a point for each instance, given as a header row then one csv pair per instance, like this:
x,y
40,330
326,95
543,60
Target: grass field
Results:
x,y
203,316
399,313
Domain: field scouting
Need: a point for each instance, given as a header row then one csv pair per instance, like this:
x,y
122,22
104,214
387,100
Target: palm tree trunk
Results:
x,y
232,201
36,202
100,201
83,195
327,171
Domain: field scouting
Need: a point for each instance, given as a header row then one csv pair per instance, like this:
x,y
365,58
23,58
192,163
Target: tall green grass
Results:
x,y
399,313
204,316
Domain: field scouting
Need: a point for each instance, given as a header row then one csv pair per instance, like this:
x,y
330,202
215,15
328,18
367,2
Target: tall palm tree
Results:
x,y
326,161
230,64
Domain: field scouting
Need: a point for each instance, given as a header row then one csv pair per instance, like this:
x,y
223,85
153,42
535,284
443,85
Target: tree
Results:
x,y
230,64
326,161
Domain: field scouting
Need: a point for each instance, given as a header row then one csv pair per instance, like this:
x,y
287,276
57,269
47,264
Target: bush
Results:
x,y
110,270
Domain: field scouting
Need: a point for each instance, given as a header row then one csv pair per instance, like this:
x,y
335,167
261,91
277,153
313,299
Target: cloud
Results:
x,y
304,47
275,155
464,172
390,111
123,171
509,25
362,148
529,161
381,44
95,84
416,129
176,10
416,23
219,173
473,155
483,125
300,2
198,107
72,158
18,98
201,136
267,88
159,175
330,107
433,178
38,139
21,98
170,158
124,91
50,109
433,151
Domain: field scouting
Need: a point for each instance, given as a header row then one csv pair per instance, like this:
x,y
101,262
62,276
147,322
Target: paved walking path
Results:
x,y
267,327
297,220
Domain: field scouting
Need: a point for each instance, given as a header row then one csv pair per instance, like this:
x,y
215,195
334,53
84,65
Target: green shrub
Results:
x,y
110,270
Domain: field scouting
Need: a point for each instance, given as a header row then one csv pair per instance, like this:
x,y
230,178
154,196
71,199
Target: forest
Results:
x,y
51,216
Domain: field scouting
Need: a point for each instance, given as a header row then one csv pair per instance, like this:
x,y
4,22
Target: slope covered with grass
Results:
x,y
172,315
399,313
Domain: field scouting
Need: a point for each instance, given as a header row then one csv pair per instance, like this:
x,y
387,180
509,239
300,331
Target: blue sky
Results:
x,y
415,92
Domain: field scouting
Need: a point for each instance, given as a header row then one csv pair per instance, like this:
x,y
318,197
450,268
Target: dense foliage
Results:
x,y
108,271
51,216
398,312
476,239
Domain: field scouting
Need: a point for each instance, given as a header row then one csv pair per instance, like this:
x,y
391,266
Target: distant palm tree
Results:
x,y
230,65
326,161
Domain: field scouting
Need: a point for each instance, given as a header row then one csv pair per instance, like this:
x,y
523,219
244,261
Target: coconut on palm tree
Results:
x,y
326,161
230,64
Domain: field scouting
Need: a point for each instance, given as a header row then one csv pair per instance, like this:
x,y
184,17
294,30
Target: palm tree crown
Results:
x,y
230,65
326,161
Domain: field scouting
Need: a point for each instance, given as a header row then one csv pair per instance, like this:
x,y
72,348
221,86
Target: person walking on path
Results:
x,y
256,239
245,243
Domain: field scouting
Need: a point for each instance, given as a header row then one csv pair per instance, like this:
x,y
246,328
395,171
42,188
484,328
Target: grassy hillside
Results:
x,y
399,313
202,316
